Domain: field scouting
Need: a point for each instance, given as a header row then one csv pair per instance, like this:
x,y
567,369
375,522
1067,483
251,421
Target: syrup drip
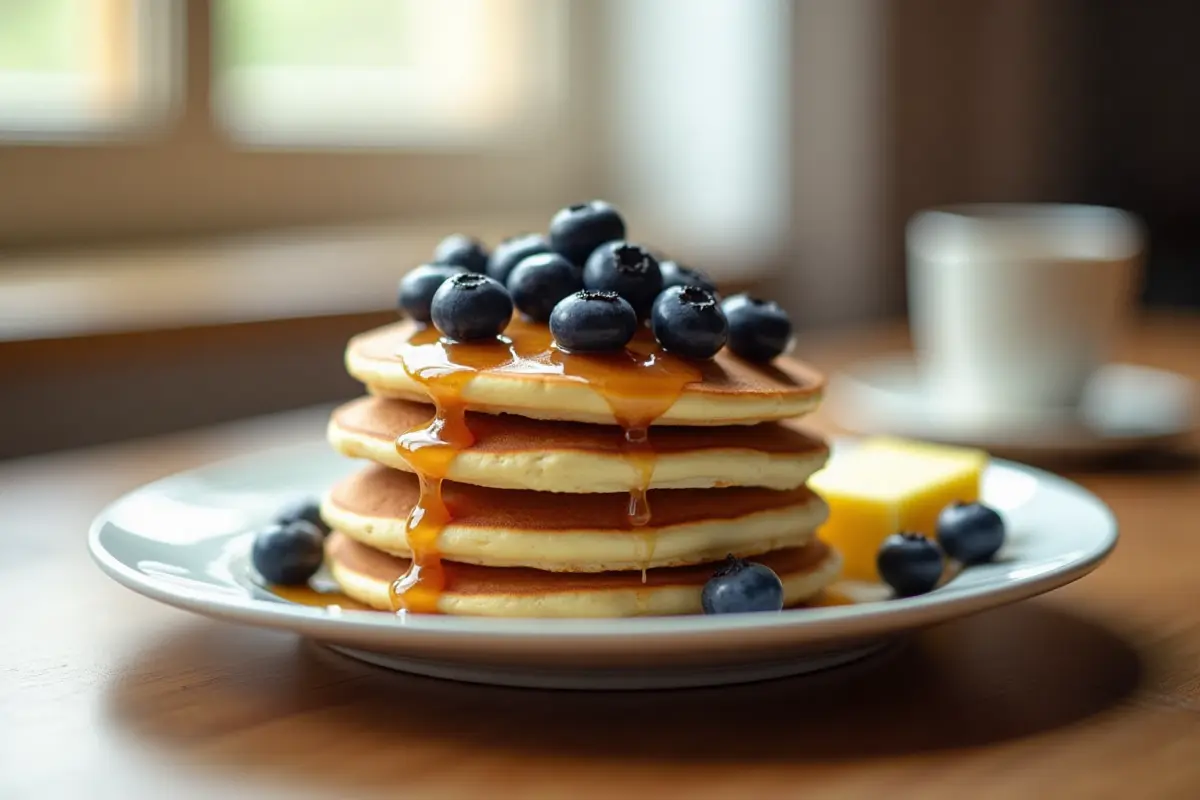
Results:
x,y
639,384
642,458
318,597
430,450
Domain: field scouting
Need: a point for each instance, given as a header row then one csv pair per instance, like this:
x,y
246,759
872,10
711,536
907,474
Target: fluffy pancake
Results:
x,y
512,452
531,378
366,574
576,532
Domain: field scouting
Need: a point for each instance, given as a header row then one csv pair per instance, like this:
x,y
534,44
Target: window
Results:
x,y
380,72
318,72
78,68
287,113
383,124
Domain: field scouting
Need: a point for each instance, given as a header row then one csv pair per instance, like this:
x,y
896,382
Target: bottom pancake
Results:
x,y
365,575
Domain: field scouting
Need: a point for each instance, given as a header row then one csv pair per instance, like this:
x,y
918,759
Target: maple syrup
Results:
x,y
639,383
329,598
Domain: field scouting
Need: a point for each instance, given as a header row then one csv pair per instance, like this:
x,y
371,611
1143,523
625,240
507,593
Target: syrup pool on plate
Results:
x,y
318,596
639,383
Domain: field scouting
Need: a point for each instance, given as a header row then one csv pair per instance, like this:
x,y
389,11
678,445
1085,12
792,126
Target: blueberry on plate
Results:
x,y
288,555
540,281
688,320
592,322
304,510
909,563
740,586
676,274
513,251
970,532
628,270
462,251
418,286
468,307
758,330
577,230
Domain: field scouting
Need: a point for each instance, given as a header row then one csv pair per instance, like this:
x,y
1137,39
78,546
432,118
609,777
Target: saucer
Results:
x,y
185,541
1124,408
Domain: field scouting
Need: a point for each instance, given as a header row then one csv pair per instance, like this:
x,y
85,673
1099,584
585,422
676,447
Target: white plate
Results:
x,y
1125,407
184,540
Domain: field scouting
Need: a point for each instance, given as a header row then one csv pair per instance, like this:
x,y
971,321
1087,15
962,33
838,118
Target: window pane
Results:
x,y
79,66
384,72
314,33
36,37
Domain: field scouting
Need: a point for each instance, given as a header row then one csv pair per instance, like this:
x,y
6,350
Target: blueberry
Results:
x,y
468,307
461,251
540,281
758,330
675,274
970,532
513,251
305,510
910,563
288,555
418,286
577,230
740,586
626,269
688,320
589,322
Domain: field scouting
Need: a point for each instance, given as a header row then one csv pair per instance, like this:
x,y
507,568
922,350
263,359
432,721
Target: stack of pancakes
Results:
x,y
574,486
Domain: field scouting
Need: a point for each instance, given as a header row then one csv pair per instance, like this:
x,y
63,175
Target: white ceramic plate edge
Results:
x,y
813,626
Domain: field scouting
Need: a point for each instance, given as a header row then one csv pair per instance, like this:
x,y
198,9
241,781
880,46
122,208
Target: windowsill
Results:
x,y
280,275
41,109
248,278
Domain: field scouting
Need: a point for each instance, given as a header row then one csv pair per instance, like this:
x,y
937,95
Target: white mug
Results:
x,y
1014,307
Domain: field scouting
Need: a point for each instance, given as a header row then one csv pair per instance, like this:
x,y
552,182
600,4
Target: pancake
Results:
x,y
575,532
365,575
528,376
512,452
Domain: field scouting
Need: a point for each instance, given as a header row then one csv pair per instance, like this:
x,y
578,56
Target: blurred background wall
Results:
x,y
200,199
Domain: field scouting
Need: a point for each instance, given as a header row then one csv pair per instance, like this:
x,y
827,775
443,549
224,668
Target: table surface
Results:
x,y
1090,691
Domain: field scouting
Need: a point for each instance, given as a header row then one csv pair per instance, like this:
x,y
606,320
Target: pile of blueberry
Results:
x,y
594,289
912,564
290,550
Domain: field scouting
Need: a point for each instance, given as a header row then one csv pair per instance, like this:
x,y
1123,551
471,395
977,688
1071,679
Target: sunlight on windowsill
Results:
x,y
246,278
219,280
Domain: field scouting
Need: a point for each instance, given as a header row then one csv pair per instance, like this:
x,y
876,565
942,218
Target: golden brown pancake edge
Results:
x,y
385,419
384,493
474,579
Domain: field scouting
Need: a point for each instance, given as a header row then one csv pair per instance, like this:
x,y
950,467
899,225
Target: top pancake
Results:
x,y
527,375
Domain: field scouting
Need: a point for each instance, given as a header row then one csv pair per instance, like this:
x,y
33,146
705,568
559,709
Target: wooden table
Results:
x,y
1091,691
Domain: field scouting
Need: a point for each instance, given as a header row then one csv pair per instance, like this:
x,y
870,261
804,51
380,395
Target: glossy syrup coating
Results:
x,y
639,386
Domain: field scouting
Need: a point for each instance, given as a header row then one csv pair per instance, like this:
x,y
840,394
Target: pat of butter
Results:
x,y
884,486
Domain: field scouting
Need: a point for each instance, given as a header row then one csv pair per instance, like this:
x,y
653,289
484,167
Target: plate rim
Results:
x,y
819,624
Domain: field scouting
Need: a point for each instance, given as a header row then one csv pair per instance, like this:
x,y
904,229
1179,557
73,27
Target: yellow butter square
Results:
x,y
887,485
